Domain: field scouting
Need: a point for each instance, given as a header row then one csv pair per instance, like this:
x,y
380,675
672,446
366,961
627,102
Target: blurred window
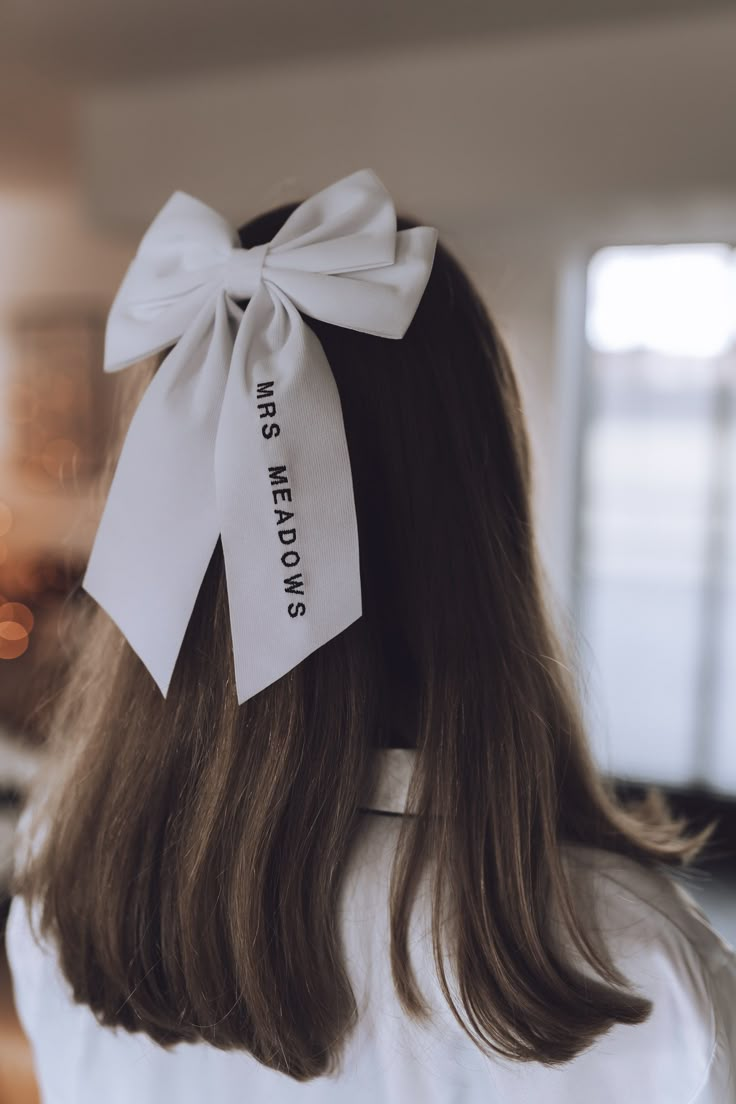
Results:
x,y
656,569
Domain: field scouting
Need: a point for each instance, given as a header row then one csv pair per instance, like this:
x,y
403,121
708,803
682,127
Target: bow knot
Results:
x,y
239,434
244,271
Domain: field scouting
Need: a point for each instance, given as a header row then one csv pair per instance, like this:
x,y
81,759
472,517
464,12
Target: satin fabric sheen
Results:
x,y
242,425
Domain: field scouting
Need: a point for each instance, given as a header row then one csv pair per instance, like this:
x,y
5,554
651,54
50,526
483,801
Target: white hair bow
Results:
x,y
240,433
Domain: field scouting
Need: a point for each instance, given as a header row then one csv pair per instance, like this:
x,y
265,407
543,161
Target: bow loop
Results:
x,y
240,433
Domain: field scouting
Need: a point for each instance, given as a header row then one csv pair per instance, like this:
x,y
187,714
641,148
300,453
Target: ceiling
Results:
x,y
93,41
51,53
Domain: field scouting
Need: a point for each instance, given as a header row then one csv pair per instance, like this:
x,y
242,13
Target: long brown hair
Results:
x,y
190,852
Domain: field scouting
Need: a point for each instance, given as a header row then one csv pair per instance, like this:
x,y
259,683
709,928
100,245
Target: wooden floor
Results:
x,y
17,1083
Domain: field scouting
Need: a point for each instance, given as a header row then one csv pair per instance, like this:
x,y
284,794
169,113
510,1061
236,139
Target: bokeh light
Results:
x,y
17,612
13,640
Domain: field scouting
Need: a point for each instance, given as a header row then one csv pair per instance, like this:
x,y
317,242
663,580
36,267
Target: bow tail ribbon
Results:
x,y
159,527
285,496
241,439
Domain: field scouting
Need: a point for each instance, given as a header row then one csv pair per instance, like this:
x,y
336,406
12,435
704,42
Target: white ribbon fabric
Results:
x,y
240,433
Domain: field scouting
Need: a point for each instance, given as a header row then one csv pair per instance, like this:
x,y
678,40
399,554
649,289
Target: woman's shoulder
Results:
x,y
661,942
648,896
664,944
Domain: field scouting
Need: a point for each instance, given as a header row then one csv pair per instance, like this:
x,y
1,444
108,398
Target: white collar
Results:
x,y
392,778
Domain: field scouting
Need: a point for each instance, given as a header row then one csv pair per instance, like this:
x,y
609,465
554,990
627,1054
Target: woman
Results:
x,y
392,874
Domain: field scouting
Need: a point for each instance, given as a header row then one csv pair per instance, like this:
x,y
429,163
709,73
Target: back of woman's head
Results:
x,y
192,850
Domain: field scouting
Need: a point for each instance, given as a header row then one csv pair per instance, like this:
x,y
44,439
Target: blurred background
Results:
x,y
580,159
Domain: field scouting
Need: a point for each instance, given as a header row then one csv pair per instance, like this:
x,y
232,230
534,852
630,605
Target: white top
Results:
x,y
685,1053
